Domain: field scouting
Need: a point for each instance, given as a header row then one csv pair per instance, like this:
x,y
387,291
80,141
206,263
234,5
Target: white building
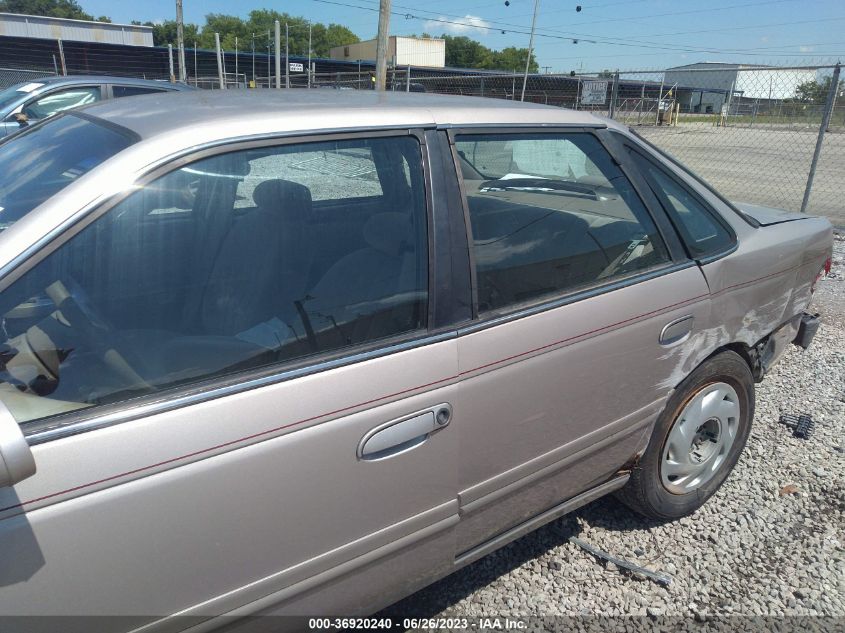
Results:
x,y
713,82
401,51
44,27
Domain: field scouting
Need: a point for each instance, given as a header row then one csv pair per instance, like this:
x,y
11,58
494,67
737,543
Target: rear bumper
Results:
x,y
807,329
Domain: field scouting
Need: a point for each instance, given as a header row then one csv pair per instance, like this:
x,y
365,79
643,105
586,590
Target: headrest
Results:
x,y
277,195
390,233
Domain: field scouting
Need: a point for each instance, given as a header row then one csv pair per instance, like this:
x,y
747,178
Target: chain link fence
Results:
x,y
12,76
752,131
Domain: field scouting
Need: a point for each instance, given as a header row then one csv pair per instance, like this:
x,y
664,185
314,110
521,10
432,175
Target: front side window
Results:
x,y
550,213
54,102
195,276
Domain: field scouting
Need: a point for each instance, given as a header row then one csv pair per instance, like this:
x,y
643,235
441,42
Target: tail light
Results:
x,y
822,272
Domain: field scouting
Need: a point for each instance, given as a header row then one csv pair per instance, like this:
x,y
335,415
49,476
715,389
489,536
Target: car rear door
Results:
x,y
586,315
282,441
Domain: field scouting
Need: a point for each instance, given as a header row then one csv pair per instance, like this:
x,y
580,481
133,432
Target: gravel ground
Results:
x,y
771,542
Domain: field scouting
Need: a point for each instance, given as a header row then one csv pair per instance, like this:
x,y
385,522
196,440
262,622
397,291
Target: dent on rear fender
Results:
x,y
748,329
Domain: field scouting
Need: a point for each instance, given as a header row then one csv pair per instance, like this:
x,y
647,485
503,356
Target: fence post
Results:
x,y
642,102
828,110
277,42
408,80
55,66
614,94
659,101
170,63
62,58
578,93
219,61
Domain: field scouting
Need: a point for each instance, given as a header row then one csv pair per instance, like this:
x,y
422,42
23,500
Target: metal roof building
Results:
x,y
748,81
401,51
43,27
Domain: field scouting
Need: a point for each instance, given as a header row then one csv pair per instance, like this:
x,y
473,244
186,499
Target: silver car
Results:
x,y
28,102
306,352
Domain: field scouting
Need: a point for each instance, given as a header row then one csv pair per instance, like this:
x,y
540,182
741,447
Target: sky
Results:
x,y
610,34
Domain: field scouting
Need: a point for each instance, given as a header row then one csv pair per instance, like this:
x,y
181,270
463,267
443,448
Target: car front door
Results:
x,y
585,304
267,430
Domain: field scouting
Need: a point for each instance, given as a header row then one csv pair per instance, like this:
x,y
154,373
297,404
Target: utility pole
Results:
x,y
530,49
382,44
287,56
277,42
180,42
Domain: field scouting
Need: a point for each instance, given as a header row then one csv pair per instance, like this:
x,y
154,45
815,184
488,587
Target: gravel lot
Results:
x,y
754,549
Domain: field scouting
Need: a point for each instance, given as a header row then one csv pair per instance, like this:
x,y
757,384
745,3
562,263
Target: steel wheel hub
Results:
x,y
700,439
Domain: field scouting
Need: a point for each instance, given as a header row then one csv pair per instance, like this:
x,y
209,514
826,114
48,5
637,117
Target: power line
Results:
x,y
689,12
586,39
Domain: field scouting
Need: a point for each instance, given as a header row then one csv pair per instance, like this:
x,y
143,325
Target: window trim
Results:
x,y
572,295
708,209
46,429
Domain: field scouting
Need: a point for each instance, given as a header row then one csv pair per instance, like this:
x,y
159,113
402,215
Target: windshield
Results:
x,y
40,162
13,93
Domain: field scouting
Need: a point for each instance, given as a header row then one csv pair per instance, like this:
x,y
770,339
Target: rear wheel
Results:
x,y
696,442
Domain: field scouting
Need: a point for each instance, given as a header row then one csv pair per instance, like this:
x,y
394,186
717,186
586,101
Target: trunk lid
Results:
x,y
767,216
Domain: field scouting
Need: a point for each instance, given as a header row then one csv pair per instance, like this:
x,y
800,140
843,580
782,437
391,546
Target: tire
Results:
x,y
696,441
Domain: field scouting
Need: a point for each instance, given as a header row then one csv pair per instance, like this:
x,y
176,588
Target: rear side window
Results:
x,y
196,275
133,91
702,233
550,213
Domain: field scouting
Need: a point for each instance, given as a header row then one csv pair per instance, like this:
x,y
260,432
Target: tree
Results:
x,y
512,57
464,52
52,8
164,33
815,91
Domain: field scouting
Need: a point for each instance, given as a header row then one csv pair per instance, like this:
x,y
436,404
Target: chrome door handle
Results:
x,y
399,436
676,330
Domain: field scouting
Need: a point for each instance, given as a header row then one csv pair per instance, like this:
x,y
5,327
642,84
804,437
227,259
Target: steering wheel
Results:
x,y
77,309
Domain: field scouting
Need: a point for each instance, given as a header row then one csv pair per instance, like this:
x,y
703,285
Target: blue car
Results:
x,y
32,101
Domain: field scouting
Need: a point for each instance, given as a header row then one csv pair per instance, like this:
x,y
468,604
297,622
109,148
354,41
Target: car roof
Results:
x,y
209,115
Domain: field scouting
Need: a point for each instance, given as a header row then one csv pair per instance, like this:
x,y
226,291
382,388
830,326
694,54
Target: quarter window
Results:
x,y
702,233
198,275
133,91
550,213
